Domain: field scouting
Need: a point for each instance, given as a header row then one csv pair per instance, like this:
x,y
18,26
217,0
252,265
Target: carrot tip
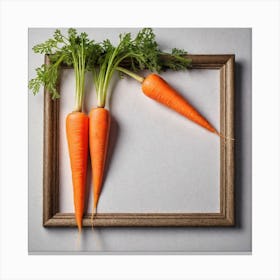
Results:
x,y
223,136
94,211
79,229
79,239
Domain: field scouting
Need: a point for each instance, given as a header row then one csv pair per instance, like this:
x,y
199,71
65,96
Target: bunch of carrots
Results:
x,y
104,59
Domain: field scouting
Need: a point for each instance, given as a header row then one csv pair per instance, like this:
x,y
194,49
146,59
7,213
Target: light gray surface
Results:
x,y
133,152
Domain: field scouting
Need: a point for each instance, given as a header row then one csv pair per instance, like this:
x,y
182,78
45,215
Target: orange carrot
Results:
x,y
79,51
158,89
77,137
99,127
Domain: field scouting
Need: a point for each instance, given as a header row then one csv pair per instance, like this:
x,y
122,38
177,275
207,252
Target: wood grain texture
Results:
x,y
51,215
51,155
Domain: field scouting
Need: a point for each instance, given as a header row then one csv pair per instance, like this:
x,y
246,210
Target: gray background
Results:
x,y
194,84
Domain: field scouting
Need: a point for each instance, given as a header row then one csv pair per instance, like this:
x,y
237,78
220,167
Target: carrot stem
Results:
x,y
131,74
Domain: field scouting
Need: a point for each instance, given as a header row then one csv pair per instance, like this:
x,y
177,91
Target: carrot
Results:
x,y
159,90
77,137
78,51
99,127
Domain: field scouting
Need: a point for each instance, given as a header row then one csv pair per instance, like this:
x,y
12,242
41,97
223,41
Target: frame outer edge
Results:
x,y
47,157
51,155
230,133
51,176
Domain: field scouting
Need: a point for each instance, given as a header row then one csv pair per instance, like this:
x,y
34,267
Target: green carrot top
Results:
x,y
136,54
73,50
103,59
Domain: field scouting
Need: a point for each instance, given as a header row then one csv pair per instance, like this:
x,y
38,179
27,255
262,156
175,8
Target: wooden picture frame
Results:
x,y
51,215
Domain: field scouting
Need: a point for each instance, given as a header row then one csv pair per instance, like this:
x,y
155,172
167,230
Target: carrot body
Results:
x,y
158,89
77,137
99,127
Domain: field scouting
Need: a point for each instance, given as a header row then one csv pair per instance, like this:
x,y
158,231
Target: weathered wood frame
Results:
x,y
51,215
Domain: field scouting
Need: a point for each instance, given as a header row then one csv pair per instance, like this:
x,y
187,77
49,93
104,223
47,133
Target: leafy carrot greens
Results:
x,y
75,50
103,59
133,55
